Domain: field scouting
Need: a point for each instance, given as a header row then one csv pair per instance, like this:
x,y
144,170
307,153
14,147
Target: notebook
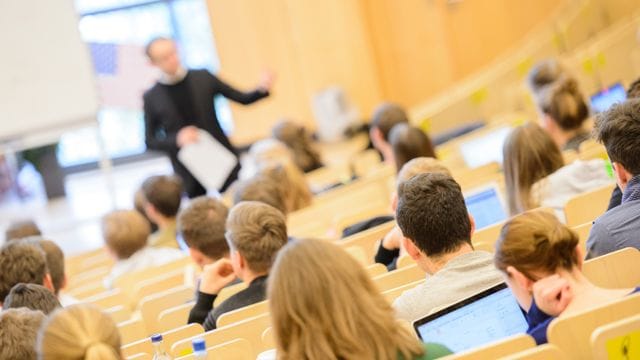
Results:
x,y
486,206
603,100
483,318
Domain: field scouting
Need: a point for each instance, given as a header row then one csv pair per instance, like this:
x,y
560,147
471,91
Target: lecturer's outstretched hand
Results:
x,y
187,135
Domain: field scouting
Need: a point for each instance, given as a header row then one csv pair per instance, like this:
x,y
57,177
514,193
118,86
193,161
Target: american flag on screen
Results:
x,y
123,74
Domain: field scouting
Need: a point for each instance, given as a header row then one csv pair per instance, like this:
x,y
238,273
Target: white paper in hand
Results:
x,y
208,161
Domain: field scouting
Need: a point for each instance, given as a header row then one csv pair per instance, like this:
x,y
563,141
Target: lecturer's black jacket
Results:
x,y
163,121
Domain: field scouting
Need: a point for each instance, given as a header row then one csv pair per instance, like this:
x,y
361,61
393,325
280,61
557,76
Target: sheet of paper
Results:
x,y
208,161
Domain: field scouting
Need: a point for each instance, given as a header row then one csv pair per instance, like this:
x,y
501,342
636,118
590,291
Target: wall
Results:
x,y
404,51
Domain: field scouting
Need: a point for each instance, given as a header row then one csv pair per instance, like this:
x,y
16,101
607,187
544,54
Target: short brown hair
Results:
x,y
564,103
409,142
257,231
544,73
386,116
125,232
22,229
164,193
261,188
202,225
55,262
619,130
21,262
18,333
32,296
634,90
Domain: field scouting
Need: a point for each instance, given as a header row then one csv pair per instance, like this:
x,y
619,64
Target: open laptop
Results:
x,y
486,206
483,318
603,100
485,149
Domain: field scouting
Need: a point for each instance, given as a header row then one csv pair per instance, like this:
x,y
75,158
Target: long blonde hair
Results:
x,y
324,306
529,155
79,332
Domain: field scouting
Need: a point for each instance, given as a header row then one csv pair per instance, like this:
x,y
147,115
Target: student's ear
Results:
x,y
520,279
151,212
622,175
394,201
472,221
411,248
48,283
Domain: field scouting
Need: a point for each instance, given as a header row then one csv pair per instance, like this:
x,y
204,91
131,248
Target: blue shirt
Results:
x,y
539,322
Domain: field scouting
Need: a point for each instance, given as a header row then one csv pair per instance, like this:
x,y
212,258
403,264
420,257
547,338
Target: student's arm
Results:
x,y
389,248
204,304
238,96
154,137
214,278
599,241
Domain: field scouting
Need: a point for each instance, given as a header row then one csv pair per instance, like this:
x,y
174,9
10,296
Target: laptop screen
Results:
x,y
486,317
603,100
485,207
485,149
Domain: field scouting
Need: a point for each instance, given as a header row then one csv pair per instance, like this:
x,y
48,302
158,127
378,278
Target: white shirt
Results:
x,y
144,258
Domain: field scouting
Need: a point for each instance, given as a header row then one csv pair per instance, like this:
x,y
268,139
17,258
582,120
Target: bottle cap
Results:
x,y
156,338
199,345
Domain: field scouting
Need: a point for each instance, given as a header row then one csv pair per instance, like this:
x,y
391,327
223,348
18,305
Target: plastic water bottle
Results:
x,y
158,348
199,349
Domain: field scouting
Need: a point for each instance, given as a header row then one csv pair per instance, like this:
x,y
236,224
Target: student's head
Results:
x,y
55,262
22,262
420,165
534,245
529,155
125,232
163,194
563,106
163,53
255,233
408,142
324,305
22,229
18,331
262,188
140,204
619,130
298,140
545,73
634,90
32,296
202,225
433,216
79,332
385,117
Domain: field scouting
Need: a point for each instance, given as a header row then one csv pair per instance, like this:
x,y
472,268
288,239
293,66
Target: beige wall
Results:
x,y
399,50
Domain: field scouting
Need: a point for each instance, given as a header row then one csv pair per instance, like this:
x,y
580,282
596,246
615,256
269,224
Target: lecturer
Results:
x,y
180,103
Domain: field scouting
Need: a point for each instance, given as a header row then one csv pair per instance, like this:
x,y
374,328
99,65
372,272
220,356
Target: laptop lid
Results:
x,y
486,206
483,318
485,149
603,100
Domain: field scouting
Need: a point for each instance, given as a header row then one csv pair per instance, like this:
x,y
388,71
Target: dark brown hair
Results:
x,y
164,193
386,116
408,143
202,225
619,130
564,103
22,229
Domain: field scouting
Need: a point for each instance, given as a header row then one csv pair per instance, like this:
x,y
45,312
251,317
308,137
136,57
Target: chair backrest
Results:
x,y
496,349
158,284
228,292
487,236
140,356
268,341
92,276
367,240
151,306
399,277
238,349
404,261
365,161
130,281
583,233
118,313
132,331
107,299
616,340
468,178
376,269
392,294
174,317
82,292
246,312
249,329
542,352
572,333
588,206
358,254
328,175
168,337
614,270
84,262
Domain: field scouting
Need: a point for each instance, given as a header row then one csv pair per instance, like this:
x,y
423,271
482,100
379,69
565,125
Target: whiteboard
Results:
x,y
47,81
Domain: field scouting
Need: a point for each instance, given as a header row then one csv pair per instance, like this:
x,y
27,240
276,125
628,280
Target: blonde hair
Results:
x,y
125,232
421,165
79,331
324,306
564,103
536,241
257,231
529,155
298,140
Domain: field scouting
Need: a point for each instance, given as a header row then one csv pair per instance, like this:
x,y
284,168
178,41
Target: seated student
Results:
x,y
535,245
79,331
21,229
255,233
299,141
619,130
324,305
163,195
389,248
55,265
564,112
437,233
22,262
139,204
545,73
408,142
125,234
18,332
535,173
202,226
32,296
385,117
